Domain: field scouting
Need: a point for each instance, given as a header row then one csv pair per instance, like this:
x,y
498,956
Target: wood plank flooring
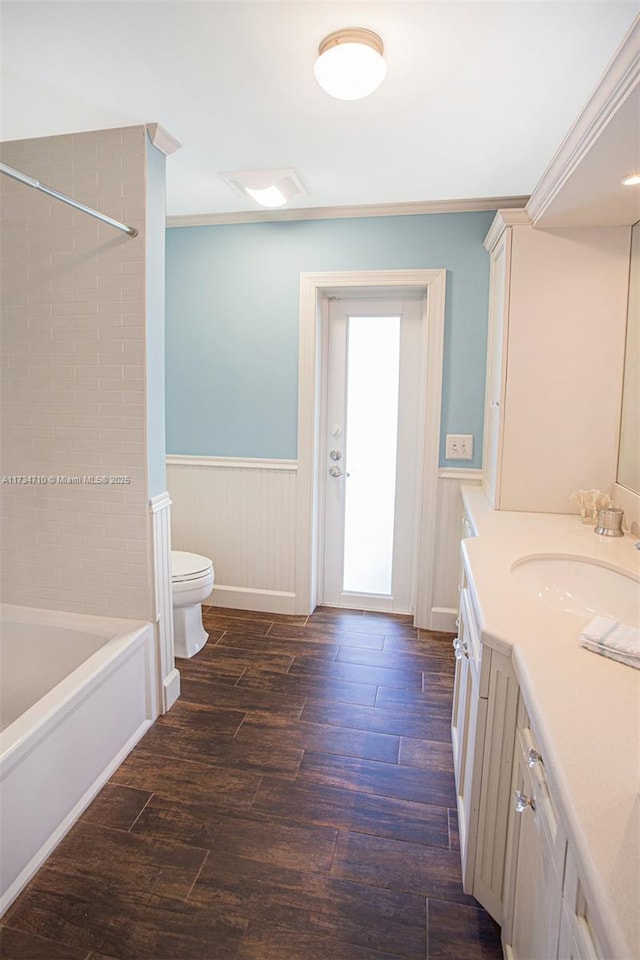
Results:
x,y
297,803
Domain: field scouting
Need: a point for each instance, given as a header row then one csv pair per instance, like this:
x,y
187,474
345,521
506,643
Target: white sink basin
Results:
x,y
580,586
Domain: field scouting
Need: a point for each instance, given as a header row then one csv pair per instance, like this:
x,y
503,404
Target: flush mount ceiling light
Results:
x,y
632,180
269,188
350,65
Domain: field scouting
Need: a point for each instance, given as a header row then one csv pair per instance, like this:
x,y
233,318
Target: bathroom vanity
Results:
x,y
546,735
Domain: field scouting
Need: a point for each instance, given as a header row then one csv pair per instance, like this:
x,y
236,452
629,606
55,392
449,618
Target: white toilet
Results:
x,y
191,582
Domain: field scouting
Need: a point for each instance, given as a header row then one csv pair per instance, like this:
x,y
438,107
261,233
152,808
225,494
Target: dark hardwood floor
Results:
x,y
297,803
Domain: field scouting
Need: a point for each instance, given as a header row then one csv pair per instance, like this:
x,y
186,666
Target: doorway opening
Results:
x,y
371,438
384,299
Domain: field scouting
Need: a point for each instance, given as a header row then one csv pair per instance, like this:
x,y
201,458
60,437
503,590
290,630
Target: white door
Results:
x,y
372,427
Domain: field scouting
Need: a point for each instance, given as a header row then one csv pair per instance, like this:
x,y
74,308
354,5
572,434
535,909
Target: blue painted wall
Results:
x,y
232,322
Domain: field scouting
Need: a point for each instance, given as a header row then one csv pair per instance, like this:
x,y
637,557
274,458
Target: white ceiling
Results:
x,y
478,95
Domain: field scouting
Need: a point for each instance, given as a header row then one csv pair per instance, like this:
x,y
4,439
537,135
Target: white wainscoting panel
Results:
x,y
448,534
160,514
241,513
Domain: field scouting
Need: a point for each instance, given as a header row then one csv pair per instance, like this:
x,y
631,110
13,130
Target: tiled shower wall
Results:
x,y
73,378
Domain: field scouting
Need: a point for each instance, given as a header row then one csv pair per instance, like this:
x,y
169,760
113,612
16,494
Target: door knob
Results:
x,y
337,472
335,455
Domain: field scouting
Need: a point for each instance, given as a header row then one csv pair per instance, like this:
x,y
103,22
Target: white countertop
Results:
x,y
584,708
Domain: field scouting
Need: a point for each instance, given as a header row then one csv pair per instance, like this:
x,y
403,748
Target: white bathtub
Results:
x,y
77,693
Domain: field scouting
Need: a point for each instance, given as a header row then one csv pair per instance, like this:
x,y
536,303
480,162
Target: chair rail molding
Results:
x,y
230,463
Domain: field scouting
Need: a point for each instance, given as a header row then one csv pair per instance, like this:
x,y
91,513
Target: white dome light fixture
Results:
x,y
350,65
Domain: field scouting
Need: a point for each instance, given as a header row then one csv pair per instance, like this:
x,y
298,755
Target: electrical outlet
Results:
x,y
459,446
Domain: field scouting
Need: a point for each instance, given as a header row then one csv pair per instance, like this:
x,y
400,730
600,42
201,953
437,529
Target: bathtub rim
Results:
x,y
26,731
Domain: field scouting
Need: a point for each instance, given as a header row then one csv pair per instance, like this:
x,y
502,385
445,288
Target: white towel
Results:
x,y
612,639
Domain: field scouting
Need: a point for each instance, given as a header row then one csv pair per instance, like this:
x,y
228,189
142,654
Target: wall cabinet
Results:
x,y
557,311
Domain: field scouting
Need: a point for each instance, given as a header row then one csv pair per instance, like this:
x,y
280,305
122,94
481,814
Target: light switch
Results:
x,y
459,446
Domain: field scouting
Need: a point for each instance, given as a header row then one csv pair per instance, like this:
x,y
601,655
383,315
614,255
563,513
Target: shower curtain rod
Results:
x,y
30,182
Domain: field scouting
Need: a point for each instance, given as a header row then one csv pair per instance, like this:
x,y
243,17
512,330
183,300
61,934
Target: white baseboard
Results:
x,y
443,618
245,598
170,690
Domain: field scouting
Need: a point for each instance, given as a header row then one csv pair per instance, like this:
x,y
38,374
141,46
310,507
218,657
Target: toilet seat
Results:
x,y
186,567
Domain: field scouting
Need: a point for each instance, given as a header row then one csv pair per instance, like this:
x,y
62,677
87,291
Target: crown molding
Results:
x,y
620,78
502,220
161,139
337,213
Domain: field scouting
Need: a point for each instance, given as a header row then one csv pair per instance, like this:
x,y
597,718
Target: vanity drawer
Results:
x,y
546,810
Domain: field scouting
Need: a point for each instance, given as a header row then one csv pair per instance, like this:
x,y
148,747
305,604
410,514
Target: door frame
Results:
x,y
315,288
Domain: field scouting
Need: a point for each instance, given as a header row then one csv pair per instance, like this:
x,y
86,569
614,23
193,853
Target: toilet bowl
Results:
x,y
191,583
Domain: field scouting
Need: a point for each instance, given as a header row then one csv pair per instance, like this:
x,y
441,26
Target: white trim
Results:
x,y
620,78
443,618
162,139
231,463
340,213
171,689
502,220
312,286
249,598
160,502
459,473
160,514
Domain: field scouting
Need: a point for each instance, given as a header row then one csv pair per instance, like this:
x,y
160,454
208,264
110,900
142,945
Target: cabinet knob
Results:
x,y
533,757
460,649
521,801
494,403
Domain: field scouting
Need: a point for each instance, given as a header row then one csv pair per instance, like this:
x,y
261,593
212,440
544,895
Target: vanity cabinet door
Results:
x,y
578,935
467,734
535,860
497,769
575,944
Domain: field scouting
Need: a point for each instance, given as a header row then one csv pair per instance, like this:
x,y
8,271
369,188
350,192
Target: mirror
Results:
x,y
629,451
